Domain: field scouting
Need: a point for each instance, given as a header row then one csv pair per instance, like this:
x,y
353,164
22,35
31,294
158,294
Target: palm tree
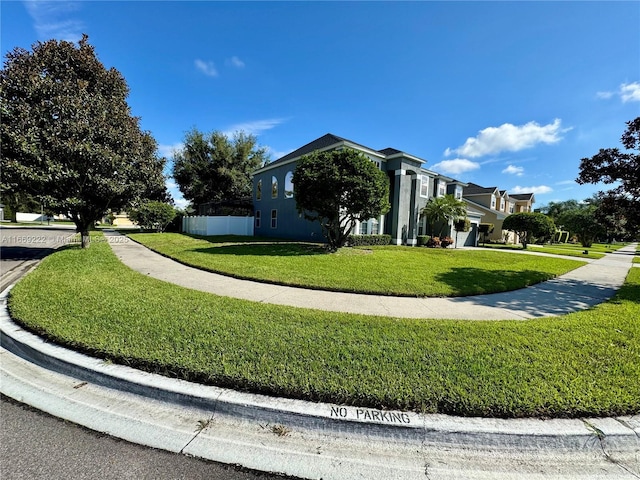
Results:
x,y
443,210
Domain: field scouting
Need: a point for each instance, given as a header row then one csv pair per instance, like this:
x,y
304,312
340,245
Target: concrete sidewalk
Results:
x,y
301,438
322,440
577,290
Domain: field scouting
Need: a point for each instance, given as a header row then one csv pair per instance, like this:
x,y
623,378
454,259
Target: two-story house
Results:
x,y
411,187
496,205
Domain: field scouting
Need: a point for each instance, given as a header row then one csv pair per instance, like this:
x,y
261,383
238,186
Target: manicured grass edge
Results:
x,y
327,288
471,359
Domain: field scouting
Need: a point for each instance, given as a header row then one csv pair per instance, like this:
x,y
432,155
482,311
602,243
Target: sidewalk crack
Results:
x,y
600,435
202,425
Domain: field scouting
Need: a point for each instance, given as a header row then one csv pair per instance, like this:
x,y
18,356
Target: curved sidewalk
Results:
x,y
301,438
305,439
577,290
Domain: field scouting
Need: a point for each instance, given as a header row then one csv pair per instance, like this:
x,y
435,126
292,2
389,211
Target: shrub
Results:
x,y
446,241
368,240
423,240
433,242
153,215
462,225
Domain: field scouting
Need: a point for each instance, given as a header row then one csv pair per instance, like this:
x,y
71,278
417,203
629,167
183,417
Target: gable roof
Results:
x,y
329,140
522,196
499,215
475,189
389,151
317,144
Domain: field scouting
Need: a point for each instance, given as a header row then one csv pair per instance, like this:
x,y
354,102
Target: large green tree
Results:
x,y
529,224
68,136
556,209
582,222
213,167
612,166
338,188
442,211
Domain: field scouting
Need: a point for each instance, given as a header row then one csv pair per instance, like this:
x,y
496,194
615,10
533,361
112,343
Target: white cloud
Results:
x,y
51,20
275,154
513,170
167,151
255,127
509,138
235,62
605,95
456,166
175,193
630,92
208,68
537,190
566,182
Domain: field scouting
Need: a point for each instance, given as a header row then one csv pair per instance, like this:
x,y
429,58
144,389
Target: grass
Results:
x,y
390,270
550,249
583,364
597,250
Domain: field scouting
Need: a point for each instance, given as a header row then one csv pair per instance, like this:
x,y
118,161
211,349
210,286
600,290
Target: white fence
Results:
x,y
218,225
30,217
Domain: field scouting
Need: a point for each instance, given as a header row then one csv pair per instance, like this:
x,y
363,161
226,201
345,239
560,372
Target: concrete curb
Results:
x,y
620,434
305,439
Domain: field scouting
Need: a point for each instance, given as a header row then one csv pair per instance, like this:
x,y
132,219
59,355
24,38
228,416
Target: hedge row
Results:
x,y
368,240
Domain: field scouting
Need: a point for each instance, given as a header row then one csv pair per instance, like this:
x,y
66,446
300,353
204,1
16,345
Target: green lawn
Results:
x,y
551,249
583,364
389,270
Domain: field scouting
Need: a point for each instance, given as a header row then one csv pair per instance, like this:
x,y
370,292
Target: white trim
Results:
x,y
400,172
422,175
405,155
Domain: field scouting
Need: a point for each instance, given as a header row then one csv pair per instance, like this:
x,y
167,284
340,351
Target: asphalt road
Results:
x,y
35,445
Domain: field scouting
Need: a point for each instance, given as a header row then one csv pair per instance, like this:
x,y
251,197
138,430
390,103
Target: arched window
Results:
x,y
274,187
288,185
259,190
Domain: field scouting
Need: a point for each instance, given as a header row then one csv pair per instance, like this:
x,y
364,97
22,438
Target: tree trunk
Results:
x,y
83,228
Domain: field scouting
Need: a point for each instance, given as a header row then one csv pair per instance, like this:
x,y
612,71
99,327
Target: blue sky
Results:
x,y
506,94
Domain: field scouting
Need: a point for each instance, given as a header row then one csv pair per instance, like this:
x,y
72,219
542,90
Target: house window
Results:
x,y
274,218
502,204
424,186
288,185
259,190
493,202
442,188
458,192
274,187
510,207
257,217
363,228
375,227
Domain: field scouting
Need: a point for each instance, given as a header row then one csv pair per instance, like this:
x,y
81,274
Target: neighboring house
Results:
x,y
496,205
411,187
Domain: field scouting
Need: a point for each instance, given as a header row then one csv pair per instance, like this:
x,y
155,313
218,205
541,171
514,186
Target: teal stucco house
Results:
x,y
411,187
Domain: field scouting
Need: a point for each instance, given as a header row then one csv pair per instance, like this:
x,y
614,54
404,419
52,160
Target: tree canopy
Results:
x,y
68,136
612,166
338,188
213,168
582,222
442,210
529,224
153,215
556,209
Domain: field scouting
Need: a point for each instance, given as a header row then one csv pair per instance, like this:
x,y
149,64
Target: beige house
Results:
x,y
496,205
